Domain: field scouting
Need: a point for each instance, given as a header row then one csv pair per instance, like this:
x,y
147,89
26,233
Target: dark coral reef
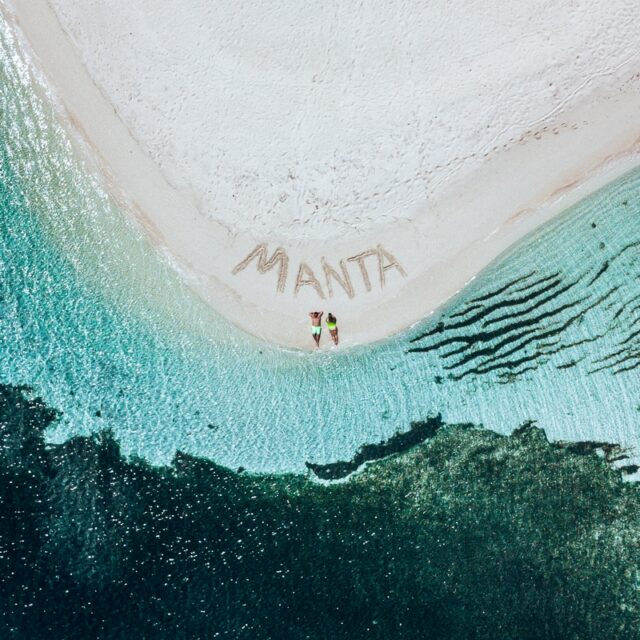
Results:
x,y
467,535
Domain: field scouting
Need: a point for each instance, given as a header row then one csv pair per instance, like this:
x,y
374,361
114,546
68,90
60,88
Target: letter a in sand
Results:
x,y
392,263
301,280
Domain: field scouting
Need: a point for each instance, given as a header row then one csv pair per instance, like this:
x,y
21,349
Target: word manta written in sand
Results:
x,y
306,276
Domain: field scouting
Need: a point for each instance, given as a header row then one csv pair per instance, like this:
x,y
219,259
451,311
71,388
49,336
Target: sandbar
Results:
x,y
379,219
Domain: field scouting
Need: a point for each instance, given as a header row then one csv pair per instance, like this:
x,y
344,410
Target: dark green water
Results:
x,y
468,535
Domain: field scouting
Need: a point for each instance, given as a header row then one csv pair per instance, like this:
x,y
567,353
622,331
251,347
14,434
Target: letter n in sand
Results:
x,y
266,264
344,281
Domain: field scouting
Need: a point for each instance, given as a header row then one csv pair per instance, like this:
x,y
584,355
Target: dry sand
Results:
x,y
465,203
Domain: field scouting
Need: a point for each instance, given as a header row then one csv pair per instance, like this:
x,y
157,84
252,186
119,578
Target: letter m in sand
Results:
x,y
265,263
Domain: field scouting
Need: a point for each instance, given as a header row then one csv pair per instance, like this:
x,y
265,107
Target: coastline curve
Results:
x,y
378,282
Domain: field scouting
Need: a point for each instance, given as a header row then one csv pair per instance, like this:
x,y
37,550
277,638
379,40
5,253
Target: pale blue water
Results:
x,y
102,328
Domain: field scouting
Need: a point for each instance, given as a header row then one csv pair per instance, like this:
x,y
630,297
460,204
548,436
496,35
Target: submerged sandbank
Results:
x,y
378,278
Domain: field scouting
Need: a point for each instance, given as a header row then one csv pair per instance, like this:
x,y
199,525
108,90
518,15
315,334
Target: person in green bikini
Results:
x,y
332,325
316,326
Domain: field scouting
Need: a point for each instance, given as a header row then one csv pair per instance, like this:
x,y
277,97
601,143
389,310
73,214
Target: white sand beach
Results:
x,y
365,159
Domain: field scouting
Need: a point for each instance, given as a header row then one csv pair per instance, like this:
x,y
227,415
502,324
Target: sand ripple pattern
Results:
x,y
591,319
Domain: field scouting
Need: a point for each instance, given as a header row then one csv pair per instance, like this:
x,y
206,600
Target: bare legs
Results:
x,y
334,336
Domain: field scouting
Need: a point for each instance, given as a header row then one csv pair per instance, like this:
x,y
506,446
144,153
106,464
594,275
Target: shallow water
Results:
x,y
104,330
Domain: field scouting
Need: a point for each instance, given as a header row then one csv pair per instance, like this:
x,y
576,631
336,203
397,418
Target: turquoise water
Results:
x,y
103,329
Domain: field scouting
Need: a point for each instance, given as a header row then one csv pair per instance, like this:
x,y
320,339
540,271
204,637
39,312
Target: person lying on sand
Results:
x,y
332,325
316,326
